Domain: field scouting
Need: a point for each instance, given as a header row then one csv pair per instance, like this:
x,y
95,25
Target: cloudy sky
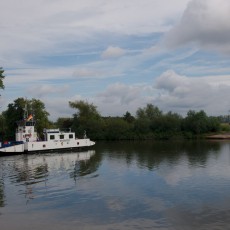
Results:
x,y
117,54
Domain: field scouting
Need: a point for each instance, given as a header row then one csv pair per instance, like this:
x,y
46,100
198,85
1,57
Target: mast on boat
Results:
x,y
25,131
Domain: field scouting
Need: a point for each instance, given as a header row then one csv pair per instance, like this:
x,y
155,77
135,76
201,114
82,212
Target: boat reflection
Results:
x,y
31,173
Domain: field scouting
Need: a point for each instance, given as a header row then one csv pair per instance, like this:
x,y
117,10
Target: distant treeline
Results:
x,y
149,122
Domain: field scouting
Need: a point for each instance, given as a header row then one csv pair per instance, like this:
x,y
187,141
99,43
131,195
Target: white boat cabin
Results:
x,y
25,131
58,135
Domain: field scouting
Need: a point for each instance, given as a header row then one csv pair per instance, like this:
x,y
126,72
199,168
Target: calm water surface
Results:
x,y
119,185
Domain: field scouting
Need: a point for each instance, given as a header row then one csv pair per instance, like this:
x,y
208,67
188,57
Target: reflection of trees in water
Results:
x,y
151,154
2,196
85,167
1,193
28,170
199,152
28,174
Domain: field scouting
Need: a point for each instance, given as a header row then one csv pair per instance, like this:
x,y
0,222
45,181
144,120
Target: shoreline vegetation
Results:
x,y
148,123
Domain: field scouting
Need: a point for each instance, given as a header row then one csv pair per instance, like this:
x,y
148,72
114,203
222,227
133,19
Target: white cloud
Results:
x,y
177,173
53,43
181,93
113,52
58,107
46,90
119,98
44,26
170,91
35,75
204,23
172,82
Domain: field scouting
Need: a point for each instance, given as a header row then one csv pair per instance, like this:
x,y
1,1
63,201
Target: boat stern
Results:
x,y
12,147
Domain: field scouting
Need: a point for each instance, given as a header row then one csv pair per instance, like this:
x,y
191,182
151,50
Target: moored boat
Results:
x,y
27,139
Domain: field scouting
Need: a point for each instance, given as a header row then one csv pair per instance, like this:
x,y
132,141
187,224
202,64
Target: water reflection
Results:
x,y
151,154
29,172
1,193
120,185
1,186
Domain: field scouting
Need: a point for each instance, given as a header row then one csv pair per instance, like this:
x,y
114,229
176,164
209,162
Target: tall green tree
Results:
x,y
2,127
16,111
1,78
84,109
146,119
87,119
149,112
40,115
199,122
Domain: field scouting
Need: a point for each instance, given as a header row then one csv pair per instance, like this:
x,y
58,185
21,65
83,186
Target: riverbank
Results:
x,y
219,136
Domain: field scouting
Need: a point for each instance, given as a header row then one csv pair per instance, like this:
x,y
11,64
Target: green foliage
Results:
x,y
1,78
41,115
170,123
150,112
117,128
152,122
146,120
86,119
196,122
225,127
2,127
128,117
16,112
213,124
142,128
85,110
64,123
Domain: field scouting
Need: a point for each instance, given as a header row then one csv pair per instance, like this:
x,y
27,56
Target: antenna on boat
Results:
x,y
25,110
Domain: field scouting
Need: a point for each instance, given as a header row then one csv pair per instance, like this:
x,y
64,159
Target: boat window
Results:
x,y
70,136
52,137
61,136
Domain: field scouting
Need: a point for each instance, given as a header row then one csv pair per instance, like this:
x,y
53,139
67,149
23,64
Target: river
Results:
x,y
119,185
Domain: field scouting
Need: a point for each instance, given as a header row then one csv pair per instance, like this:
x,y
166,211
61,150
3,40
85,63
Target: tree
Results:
x,y
150,112
87,119
196,122
16,112
85,110
116,128
2,128
146,120
40,115
1,78
170,123
128,117
64,123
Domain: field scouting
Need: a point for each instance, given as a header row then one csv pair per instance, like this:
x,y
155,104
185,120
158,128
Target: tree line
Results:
x,y
149,122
